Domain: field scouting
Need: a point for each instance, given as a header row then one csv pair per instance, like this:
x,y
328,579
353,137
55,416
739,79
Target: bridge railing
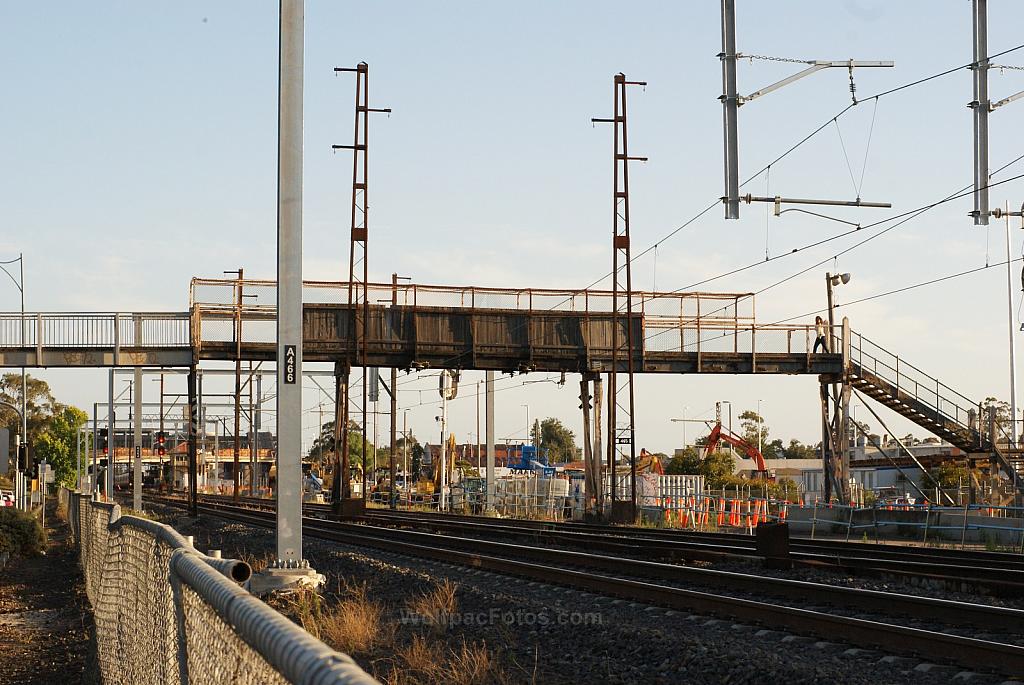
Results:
x,y
115,329
166,613
262,294
936,396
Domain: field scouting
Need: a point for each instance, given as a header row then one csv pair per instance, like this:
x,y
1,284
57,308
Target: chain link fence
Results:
x,y
166,613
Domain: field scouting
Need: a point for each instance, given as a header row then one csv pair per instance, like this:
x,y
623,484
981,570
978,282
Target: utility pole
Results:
x,y
237,334
137,431
489,427
162,428
358,279
621,438
981,108
289,286
732,100
111,441
730,110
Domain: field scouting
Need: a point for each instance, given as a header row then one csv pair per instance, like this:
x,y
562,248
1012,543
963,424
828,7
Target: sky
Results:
x,y
140,151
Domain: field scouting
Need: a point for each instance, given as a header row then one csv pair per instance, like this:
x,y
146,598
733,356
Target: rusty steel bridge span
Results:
x,y
415,326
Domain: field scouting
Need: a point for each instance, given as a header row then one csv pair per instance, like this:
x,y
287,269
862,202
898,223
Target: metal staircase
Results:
x,y
926,401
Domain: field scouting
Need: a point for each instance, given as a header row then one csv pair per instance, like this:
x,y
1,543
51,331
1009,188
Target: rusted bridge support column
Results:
x,y
589,474
193,421
826,441
598,442
340,488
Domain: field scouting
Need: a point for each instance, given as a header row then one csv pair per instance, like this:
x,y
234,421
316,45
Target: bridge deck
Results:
x,y
411,336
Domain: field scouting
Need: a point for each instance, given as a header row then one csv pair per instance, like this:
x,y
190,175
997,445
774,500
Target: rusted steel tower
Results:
x,y
358,277
625,342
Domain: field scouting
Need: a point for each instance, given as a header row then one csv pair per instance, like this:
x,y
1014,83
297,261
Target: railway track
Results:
x,y
879,621
994,573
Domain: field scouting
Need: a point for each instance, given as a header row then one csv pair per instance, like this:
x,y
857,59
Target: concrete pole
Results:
x,y
110,435
94,480
442,500
78,459
981,107
489,428
393,493
137,430
289,285
730,107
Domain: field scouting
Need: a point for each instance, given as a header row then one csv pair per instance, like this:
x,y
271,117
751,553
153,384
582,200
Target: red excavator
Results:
x,y
719,434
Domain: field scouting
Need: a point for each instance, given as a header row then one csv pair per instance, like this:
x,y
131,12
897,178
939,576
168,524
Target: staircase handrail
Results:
x,y
900,367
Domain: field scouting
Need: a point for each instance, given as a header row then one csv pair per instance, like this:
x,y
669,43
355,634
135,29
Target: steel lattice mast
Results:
x,y
621,443
358,269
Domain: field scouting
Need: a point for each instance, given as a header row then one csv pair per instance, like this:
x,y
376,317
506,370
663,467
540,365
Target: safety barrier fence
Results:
x,y
166,613
1000,526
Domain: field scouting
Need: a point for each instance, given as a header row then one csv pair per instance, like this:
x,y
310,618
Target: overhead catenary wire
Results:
x,y
813,133
905,216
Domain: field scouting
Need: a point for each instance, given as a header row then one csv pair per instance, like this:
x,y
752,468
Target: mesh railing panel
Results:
x,y
136,634
166,614
217,652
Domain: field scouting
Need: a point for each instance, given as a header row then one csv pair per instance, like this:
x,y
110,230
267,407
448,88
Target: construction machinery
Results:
x,y
646,462
720,434
532,460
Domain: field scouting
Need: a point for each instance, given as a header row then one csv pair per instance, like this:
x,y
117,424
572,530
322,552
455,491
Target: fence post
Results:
x,y
814,518
927,520
963,532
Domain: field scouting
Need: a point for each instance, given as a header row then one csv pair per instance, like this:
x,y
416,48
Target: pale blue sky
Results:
x,y
140,149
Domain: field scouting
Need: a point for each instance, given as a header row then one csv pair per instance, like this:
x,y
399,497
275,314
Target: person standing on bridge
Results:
x,y
819,330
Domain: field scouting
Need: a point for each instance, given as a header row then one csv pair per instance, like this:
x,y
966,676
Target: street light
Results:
x,y
830,282
683,421
20,285
760,431
730,422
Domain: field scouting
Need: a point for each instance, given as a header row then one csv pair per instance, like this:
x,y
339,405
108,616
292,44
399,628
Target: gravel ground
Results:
x,y
543,634
887,583
45,621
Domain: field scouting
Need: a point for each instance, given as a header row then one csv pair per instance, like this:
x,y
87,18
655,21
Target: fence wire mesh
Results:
x,y
165,613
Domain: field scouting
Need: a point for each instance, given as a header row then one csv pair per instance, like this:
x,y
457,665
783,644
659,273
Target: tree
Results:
x,y
416,454
774,449
950,474
324,444
56,444
685,462
798,450
750,423
41,405
717,468
999,410
559,441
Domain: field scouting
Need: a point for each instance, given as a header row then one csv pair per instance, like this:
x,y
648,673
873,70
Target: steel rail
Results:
x,y
944,647
1000,574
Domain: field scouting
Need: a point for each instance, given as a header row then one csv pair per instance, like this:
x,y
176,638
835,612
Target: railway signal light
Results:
x,y
102,440
161,441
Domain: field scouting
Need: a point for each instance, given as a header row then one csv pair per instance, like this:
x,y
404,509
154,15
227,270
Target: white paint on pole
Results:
x,y
137,430
489,422
111,442
289,284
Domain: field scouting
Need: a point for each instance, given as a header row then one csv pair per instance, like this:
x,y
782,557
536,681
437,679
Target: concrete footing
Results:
x,y
274,579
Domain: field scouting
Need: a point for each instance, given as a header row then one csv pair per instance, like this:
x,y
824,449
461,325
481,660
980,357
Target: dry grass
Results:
x,y
419,663
354,624
436,605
